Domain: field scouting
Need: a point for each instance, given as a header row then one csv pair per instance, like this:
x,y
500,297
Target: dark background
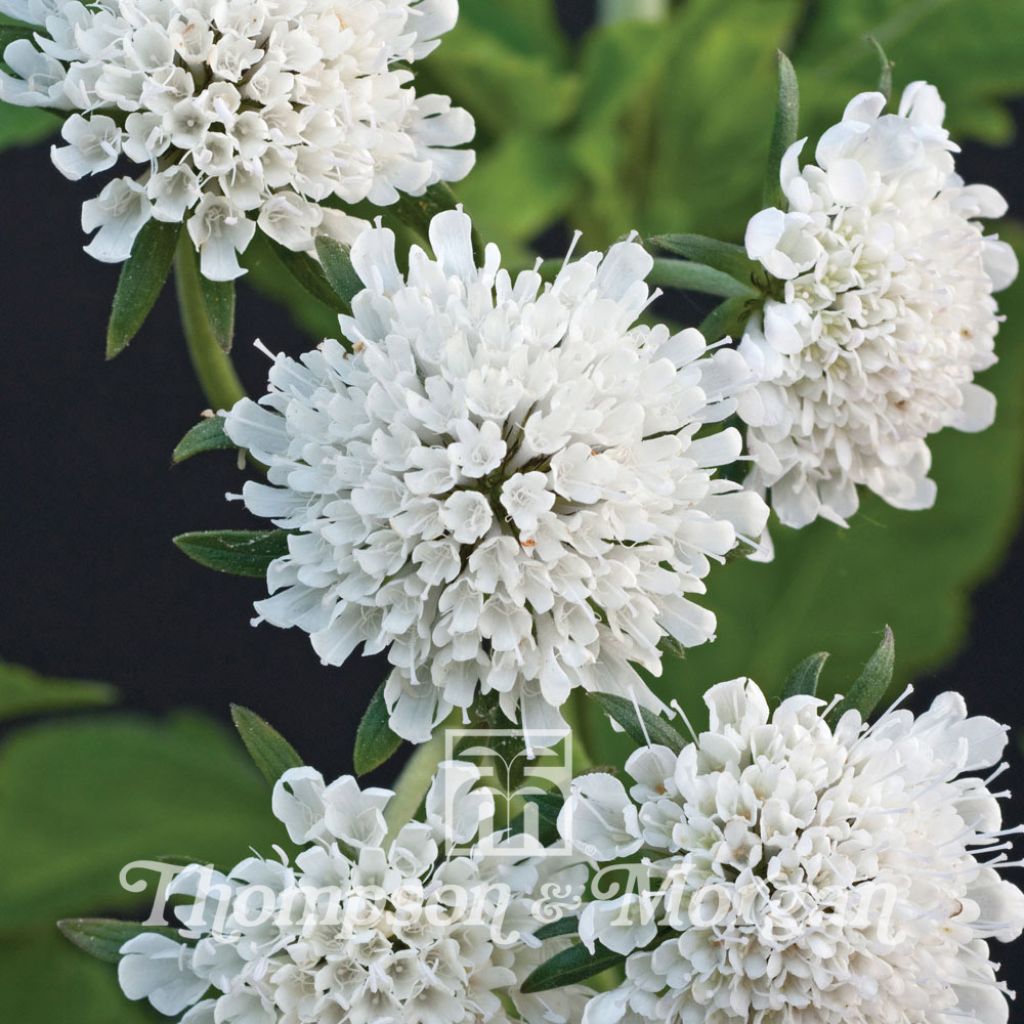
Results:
x,y
93,588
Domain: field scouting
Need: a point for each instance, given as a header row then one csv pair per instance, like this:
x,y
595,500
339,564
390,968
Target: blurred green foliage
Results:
x,y
655,127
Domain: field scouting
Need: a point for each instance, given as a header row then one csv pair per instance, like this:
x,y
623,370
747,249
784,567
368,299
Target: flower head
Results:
x,y
803,872
883,312
362,926
503,486
239,113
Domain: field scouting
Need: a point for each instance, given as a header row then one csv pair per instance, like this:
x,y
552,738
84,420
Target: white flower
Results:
x,y
362,927
503,485
881,312
270,107
802,872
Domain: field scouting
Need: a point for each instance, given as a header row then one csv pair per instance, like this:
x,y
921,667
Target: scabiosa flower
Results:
x,y
361,927
503,485
241,114
805,873
883,312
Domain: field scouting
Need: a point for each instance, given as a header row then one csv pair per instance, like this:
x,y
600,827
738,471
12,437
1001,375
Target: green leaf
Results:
x,y
724,256
698,278
310,275
375,742
726,320
873,682
270,751
646,729
83,798
103,937
206,436
236,552
142,280
569,967
24,692
9,33
804,678
219,300
548,806
784,131
564,926
337,267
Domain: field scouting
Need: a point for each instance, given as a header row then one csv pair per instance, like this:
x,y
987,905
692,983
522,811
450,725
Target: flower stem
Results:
x,y
414,781
211,363
633,10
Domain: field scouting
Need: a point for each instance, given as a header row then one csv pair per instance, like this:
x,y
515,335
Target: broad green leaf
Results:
x,y
873,682
44,980
103,937
569,967
24,692
206,436
337,267
269,750
23,126
236,552
529,27
82,799
142,280
219,299
804,678
375,742
726,320
506,89
784,130
646,729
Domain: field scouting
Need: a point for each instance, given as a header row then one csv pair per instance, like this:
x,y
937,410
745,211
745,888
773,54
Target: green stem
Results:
x,y
414,781
211,363
633,10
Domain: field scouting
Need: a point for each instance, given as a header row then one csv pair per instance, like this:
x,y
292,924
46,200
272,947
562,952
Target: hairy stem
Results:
x,y
212,365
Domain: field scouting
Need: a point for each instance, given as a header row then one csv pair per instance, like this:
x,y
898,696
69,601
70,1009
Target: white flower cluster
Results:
x,y
359,929
503,485
808,874
883,316
241,113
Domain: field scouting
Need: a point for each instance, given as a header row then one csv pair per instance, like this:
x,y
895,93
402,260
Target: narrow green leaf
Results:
x,y
11,33
784,132
206,436
726,320
375,742
337,267
885,75
804,678
142,279
872,683
565,926
24,692
572,965
696,277
548,805
649,728
236,552
308,273
103,937
270,751
724,256
219,299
